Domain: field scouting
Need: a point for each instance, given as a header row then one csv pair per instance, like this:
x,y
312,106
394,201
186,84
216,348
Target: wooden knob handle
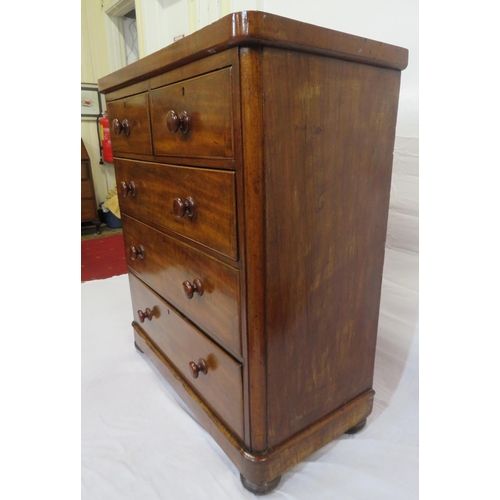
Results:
x,y
195,369
191,288
188,206
119,127
175,122
126,127
136,252
128,188
146,314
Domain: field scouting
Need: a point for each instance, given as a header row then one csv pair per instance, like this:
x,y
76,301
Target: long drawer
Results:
x,y
202,288
197,203
192,354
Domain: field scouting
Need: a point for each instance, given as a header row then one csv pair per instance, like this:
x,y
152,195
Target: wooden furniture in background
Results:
x,y
254,162
89,204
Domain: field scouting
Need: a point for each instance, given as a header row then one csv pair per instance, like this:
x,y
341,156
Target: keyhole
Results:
x,y
182,90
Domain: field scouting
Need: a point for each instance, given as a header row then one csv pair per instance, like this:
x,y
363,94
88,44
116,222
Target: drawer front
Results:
x,y
86,190
156,187
132,114
166,265
89,210
221,387
207,101
85,170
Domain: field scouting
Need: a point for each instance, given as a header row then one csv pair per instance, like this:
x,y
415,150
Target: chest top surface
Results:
x,y
254,28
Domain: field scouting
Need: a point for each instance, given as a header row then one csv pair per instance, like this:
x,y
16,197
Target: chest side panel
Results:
x,y
328,142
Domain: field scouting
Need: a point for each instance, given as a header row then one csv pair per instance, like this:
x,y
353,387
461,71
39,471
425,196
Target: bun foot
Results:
x,y
357,427
137,347
260,489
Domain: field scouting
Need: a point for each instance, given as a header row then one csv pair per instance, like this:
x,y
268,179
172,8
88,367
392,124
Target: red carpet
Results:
x,y
103,258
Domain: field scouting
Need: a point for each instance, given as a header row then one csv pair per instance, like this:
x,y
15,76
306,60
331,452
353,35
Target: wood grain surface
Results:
x,y
256,210
207,101
135,109
157,187
252,28
328,160
221,387
167,264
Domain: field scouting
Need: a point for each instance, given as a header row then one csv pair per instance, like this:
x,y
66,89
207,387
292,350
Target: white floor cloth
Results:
x,y
138,441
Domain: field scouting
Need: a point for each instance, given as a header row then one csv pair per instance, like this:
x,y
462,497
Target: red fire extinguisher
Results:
x,y
105,137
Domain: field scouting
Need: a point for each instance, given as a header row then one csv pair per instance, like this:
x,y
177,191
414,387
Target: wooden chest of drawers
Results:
x,y
254,164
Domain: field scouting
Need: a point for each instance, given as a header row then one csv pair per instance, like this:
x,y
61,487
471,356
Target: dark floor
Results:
x,y
89,231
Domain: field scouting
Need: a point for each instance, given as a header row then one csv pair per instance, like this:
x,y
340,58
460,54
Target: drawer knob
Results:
x,y
182,208
191,288
148,313
136,252
176,122
119,127
197,368
128,188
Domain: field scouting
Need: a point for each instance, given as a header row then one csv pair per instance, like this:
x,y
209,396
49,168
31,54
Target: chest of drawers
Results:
x,y
253,160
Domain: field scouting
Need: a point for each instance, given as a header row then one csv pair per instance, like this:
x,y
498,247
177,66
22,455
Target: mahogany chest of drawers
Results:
x,y
253,160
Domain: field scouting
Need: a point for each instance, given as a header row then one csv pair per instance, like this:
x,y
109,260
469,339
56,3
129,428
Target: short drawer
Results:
x,y
221,386
199,204
202,288
129,125
193,118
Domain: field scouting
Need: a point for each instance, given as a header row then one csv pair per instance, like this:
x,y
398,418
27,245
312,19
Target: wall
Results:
x,y
160,22
168,19
94,65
